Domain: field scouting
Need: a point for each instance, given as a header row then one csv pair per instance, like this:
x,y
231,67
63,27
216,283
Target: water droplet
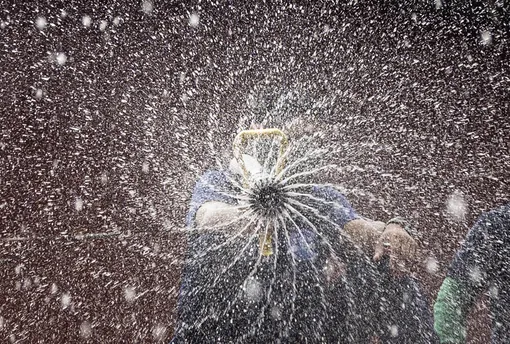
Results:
x,y
65,300
276,313
194,20
147,6
252,289
38,93
103,25
41,23
145,167
475,274
104,178
159,332
130,294
393,331
86,21
78,204
432,265
456,206
61,58
85,329
493,292
486,37
27,283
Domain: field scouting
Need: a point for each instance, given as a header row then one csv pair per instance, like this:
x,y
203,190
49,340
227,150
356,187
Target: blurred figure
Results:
x,y
482,264
392,310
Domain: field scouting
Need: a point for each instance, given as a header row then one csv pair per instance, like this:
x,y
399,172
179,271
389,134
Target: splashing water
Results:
x,y
239,292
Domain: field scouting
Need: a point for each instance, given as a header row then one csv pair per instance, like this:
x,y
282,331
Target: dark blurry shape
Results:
x,y
268,198
481,265
232,292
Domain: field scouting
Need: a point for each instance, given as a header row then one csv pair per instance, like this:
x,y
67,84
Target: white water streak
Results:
x,y
232,238
255,232
252,272
307,173
324,303
294,291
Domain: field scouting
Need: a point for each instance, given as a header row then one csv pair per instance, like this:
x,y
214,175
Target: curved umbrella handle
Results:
x,y
265,241
244,136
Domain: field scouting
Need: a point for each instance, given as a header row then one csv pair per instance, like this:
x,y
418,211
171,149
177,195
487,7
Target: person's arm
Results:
x,y
469,274
216,215
397,242
364,233
210,195
373,237
452,306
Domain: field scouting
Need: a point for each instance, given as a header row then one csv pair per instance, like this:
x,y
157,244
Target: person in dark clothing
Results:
x,y
304,292
481,264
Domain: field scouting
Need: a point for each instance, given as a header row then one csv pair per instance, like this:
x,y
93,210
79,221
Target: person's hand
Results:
x,y
364,233
400,247
334,269
217,215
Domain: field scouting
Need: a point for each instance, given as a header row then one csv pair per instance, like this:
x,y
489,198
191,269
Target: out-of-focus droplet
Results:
x,y
103,25
145,167
86,21
432,265
61,58
130,294
493,292
41,23
85,329
159,332
486,37
147,6
393,331
276,312
252,289
104,178
194,20
456,206
475,274
27,283
65,300
38,93
78,204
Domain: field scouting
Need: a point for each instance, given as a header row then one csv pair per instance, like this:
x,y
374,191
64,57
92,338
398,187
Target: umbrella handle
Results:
x,y
244,136
265,241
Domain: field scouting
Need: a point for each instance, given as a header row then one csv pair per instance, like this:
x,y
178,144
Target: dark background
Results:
x,y
112,140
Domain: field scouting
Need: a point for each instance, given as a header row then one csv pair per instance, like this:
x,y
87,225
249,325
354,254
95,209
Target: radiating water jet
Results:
x,y
278,201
